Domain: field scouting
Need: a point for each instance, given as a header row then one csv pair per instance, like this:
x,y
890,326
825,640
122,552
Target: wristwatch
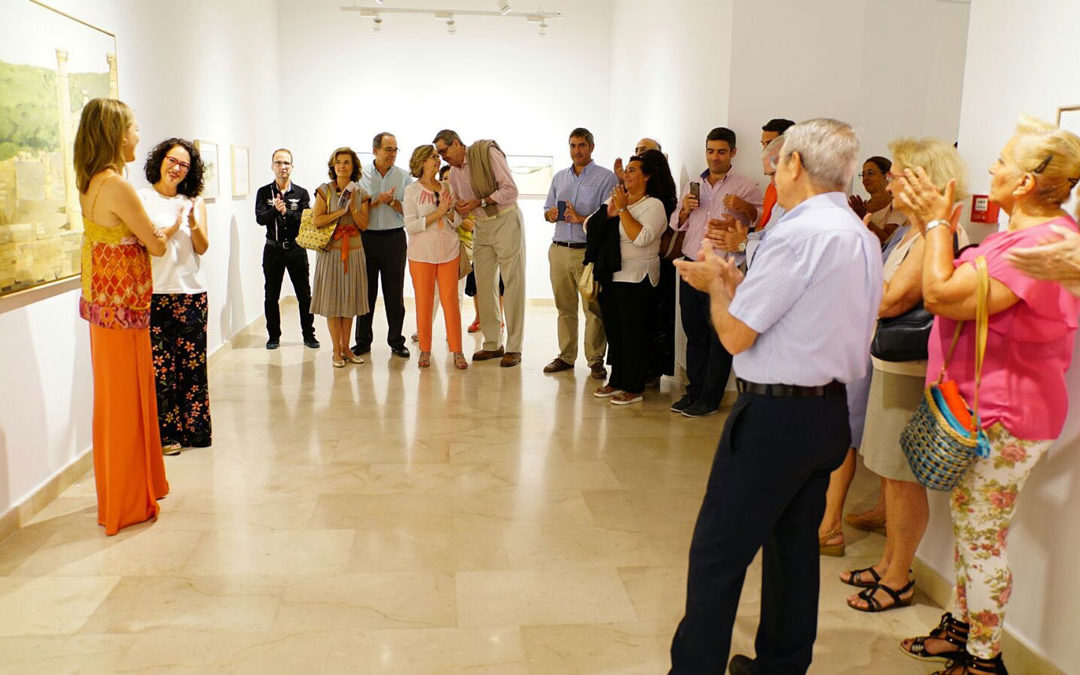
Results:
x,y
483,202
742,246
934,223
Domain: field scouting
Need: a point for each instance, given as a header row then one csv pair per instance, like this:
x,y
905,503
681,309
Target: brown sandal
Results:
x,y
834,550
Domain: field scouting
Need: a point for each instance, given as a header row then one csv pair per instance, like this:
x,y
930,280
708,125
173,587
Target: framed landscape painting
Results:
x,y
51,64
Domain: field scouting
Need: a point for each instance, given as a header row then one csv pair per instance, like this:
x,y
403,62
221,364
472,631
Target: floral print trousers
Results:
x,y
178,340
982,507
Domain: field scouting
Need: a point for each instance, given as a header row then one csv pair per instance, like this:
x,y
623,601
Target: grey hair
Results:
x,y
447,136
773,147
829,150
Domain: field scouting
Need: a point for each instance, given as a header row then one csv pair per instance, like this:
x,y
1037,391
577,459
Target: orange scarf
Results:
x,y
345,233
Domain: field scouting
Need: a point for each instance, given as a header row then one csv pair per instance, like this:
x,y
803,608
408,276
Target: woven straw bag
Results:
x,y
938,448
314,238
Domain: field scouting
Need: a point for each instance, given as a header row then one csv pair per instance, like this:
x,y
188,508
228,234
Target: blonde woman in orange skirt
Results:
x,y
118,239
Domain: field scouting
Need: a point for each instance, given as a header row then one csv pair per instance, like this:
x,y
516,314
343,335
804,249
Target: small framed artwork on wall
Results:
x,y
240,156
209,153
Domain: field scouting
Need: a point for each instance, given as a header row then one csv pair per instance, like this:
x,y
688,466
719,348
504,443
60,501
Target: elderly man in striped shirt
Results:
x,y
799,325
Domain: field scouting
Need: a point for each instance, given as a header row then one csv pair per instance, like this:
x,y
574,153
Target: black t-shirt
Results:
x,y
282,228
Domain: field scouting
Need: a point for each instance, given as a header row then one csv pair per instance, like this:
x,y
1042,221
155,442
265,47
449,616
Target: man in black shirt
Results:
x,y
278,207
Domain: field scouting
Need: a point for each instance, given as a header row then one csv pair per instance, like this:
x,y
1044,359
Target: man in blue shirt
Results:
x,y
384,245
575,193
800,325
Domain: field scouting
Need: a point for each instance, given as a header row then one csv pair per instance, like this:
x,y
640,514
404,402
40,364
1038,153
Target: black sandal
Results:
x,y
853,578
973,665
874,605
950,630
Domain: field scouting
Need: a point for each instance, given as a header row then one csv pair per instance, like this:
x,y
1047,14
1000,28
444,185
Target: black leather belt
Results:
x,y
380,233
833,388
569,244
284,245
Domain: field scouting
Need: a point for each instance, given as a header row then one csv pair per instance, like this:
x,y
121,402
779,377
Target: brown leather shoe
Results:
x,y
598,370
485,354
510,359
557,365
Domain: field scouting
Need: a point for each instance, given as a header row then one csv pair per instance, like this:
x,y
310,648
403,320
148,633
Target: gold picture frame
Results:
x,y
51,64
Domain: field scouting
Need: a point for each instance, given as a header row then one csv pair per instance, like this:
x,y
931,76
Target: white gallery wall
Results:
x,y
495,78
1018,61
181,83
308,76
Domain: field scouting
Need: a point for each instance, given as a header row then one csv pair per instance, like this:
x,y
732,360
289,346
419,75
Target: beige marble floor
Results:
x,y
380,519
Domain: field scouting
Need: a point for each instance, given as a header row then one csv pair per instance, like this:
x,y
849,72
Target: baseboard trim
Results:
x,y
1021,657
23,512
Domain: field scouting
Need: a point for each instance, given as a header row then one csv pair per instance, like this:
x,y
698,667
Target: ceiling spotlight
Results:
x,y
543,28
378,2
451,26
504,7
377,24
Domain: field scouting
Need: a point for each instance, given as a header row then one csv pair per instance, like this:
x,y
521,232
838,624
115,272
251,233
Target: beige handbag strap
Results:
x,y
982,329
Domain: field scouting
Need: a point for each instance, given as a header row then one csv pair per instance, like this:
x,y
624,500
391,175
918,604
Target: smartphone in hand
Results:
x,y
695,189
561,207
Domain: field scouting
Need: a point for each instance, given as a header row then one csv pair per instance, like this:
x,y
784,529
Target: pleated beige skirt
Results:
x,y
893,399
340,286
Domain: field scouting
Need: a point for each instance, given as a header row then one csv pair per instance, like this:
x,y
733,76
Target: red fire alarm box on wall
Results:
x,y
983,210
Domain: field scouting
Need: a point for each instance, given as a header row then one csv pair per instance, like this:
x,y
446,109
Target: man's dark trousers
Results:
x,y
385,252
766,489
277,259
708,364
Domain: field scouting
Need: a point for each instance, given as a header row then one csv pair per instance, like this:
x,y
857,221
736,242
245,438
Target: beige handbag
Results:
x,y
587,285
463,264
314,238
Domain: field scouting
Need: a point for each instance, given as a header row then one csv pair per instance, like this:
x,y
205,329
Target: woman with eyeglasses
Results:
x,y
434,249
896,387
178,309
884,218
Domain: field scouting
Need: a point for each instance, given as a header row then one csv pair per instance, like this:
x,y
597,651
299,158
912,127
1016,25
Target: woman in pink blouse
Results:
x,y
1023,398
433,252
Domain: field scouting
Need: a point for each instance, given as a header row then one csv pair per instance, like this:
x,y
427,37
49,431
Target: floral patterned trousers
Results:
x,y
982,507
178,339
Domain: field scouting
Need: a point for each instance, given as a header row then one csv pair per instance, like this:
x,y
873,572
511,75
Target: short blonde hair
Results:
x,y
99,142
419,156
938,159
1051,155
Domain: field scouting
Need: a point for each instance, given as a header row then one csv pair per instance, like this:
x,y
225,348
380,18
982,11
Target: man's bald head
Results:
x,y
646,144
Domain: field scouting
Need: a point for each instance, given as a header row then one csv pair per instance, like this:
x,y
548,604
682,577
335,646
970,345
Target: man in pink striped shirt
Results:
x,y
498,246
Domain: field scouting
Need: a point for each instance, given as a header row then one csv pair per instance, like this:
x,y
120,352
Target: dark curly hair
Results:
x,y
344,150
192,185
660,184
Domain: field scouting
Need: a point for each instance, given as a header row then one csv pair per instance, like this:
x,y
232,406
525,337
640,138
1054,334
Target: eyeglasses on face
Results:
x,y
172,161
867,174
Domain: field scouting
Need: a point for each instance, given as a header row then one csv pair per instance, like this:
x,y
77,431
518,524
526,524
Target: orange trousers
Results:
x,y
423,277
129,471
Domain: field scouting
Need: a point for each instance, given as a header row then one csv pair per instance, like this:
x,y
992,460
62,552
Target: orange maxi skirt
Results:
x,y
128,467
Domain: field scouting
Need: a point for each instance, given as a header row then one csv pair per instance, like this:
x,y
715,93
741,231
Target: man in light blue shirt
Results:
x,y
575,193
800,325
385,245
